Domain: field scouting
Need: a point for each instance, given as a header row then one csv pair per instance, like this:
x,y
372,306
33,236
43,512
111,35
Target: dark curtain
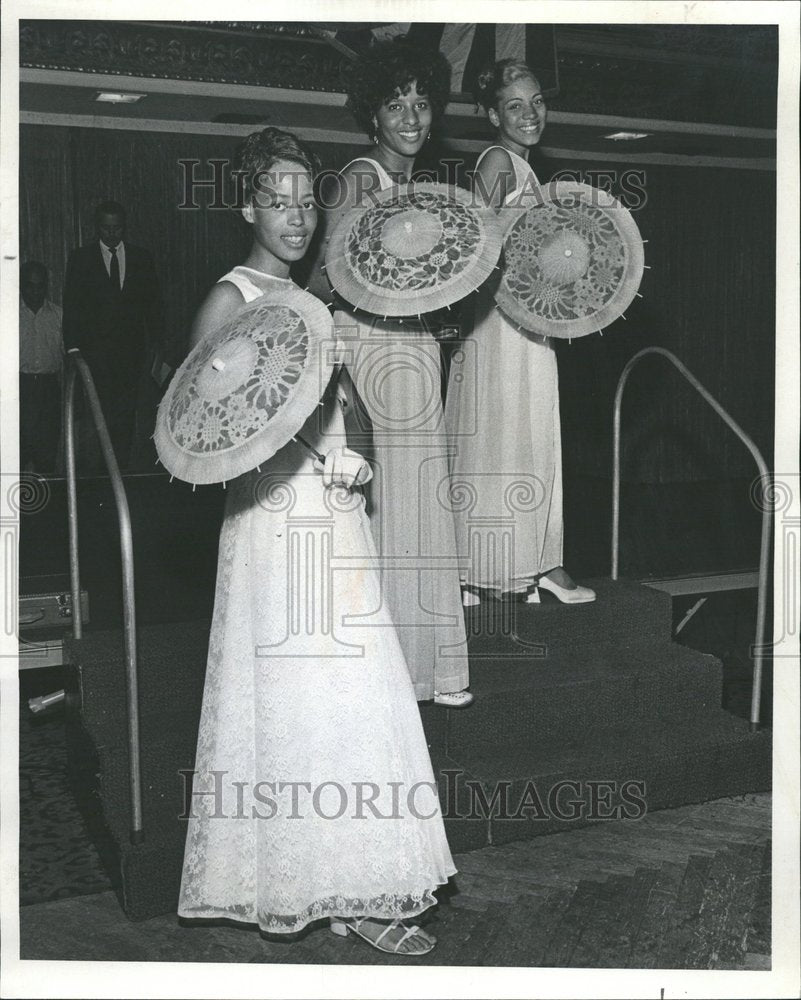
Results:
x,y
192,247
47,223
709,295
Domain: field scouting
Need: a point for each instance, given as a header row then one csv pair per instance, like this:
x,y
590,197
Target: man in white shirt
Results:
x,y
41,355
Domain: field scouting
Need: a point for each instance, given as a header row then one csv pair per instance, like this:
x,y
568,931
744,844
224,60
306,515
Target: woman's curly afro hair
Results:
x,y
391,67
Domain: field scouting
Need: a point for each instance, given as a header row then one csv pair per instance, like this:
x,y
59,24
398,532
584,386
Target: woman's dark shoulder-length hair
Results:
x,y
390,67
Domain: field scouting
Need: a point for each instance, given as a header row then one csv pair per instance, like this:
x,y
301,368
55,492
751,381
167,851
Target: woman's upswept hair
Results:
x,y
391,67
261,150
494,78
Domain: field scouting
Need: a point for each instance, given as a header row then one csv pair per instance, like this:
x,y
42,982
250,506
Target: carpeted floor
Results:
x,y
682,888
57,857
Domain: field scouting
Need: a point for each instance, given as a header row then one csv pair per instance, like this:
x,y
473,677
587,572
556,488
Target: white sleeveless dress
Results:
x,y
502,411
397,370
306,714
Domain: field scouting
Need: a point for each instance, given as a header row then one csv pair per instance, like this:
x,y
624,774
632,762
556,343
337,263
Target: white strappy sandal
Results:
x,y
344,927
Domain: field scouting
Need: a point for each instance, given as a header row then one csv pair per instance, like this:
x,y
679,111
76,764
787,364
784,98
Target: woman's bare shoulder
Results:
x,y
220,304
493,178
359,165
358,181
496,160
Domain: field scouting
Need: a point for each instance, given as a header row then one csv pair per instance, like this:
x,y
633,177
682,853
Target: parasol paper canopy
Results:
x,y
246,390
412,250
572,263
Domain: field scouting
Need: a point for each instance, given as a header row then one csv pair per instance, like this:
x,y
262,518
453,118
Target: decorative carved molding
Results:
x,y
292,29
265,57
597,73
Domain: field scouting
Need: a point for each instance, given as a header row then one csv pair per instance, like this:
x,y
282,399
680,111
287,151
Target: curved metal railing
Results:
x,y
79,367
764,551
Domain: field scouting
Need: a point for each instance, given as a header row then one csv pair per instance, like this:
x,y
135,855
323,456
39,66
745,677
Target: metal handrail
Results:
x,y
764,550
80,367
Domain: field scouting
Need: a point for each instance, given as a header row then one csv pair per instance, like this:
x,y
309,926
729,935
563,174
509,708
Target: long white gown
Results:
x,y
502,411
396,368
307,692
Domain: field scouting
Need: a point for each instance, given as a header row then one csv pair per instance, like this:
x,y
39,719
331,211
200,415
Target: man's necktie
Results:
x,y
114,269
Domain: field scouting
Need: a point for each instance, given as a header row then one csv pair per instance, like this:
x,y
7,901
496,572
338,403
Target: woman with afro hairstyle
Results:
x,y
397,92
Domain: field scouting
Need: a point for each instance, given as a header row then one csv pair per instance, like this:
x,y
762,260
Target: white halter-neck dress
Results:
x,y
397,371
502,411
308,711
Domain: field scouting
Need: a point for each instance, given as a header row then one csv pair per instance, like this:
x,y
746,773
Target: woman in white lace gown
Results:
x,y
314,795
502,404
396,92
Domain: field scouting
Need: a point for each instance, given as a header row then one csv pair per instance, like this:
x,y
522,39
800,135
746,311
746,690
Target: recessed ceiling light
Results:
x,y
627,135
115,97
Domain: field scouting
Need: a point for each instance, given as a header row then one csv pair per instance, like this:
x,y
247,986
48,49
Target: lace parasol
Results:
x,y
413,250
246,390
572,264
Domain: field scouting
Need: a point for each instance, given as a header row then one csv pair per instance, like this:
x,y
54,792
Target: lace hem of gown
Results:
x,y
390,906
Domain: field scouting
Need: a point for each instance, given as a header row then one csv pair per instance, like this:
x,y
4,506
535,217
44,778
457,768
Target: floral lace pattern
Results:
x,y
447,250
569,264
387,906
306,683
237,383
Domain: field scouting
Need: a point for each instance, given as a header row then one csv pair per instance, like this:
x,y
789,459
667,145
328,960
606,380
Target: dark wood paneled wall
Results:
x,y
709,296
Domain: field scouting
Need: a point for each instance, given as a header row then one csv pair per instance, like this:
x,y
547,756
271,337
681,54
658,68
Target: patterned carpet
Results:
x,y
658,893
57,857
682,888
685,888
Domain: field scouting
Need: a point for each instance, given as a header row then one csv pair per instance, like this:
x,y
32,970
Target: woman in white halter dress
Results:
x,y
314,795
502,405
396,369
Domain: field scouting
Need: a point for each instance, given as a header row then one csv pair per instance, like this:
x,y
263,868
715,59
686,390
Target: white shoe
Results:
x,y
533,596
470,598
422,942
578,595
453,699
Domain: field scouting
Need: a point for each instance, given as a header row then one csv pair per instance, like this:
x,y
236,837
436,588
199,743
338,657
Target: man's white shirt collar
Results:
x,y
106,252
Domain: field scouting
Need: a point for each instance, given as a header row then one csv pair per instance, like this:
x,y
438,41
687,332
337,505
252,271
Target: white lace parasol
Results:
x,y
412,250
572,263
247,389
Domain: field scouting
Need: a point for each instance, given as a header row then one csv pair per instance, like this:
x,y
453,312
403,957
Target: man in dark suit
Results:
x,y
113,313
